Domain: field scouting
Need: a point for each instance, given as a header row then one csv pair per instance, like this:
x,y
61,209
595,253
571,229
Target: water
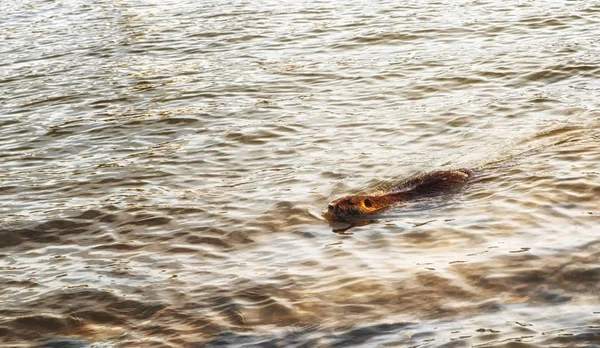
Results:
x,y
164,167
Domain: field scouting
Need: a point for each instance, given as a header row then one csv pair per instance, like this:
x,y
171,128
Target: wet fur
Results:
x,y
426,185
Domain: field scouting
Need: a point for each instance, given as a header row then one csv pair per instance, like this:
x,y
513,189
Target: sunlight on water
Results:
x,y
165,167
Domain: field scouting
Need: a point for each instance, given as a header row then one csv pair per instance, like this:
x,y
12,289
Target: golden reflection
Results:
x,y
164,165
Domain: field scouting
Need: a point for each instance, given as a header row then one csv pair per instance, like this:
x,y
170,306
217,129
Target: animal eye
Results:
x,y
349,202
367,202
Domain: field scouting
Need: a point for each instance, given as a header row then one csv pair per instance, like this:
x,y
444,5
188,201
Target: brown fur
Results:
x,y
426,185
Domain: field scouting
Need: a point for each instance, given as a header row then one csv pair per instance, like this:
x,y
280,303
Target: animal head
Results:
x,y
350,207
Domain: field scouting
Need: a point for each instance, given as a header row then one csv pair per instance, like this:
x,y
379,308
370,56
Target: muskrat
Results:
x,y
431,184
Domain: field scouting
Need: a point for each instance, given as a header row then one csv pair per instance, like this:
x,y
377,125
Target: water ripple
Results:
x,y
165,166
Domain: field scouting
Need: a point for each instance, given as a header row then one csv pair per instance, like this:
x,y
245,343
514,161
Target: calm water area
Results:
x,y
164,167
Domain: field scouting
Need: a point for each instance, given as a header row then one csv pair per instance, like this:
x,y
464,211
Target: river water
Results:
x,y
165,165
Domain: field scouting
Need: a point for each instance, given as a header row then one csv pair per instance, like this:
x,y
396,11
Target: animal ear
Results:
x,y
367,202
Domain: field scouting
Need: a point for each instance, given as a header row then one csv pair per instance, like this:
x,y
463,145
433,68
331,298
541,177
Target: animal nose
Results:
x,y
330,207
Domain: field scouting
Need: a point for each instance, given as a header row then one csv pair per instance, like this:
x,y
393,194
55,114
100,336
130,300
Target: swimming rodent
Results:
x,y
426,185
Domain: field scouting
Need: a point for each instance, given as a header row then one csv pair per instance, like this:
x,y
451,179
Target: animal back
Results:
x,y
432,184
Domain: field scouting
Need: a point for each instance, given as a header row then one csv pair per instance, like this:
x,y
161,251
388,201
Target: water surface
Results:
x,y
164,166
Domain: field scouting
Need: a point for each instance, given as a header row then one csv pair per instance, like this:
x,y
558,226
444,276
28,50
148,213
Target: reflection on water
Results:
x,y
165,166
